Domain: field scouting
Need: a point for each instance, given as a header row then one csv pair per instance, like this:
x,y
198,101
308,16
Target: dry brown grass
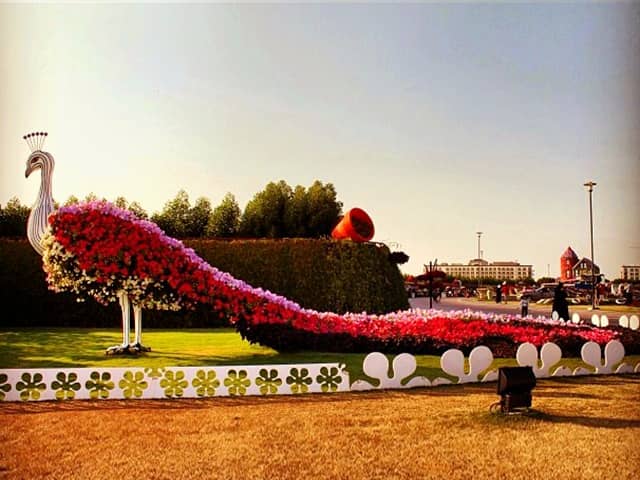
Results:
x,y
584,428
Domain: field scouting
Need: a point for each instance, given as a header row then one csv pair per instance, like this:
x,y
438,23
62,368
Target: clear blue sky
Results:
x,y
438,119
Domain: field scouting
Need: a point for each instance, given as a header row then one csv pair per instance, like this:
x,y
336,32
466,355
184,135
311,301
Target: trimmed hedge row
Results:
x,y
324,275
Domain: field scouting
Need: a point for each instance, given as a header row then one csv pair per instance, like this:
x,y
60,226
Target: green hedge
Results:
x,y
324,275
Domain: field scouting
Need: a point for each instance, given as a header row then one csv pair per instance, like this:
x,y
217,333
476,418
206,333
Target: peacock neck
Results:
x,y
37,223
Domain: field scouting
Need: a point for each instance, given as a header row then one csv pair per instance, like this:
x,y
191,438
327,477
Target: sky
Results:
x,y
439,120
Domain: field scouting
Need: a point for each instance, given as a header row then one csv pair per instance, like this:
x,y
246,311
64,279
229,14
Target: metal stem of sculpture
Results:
x,y
37,226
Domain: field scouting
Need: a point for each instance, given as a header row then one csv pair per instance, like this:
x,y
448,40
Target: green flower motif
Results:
x,y
237,382
4,386
29,388
268,381
133,384
299,380
154,372
329,379
205,383
99,385
66,387
174,383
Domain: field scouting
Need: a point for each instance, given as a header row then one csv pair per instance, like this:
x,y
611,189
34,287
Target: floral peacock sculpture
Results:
x,y
37,231
98,250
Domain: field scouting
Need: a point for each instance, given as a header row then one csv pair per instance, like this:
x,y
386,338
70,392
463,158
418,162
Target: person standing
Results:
x,y
628,295
505,291
524,306
601,292
560,304
498,294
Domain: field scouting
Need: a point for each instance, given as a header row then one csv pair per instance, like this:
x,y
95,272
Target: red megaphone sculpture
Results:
x,y
356,225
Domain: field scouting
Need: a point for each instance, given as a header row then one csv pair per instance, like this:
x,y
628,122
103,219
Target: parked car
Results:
x,y
525,292
414,291
540,293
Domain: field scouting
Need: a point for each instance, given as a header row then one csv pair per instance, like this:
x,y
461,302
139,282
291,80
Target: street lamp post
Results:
x,y
590,184
430,272
479,257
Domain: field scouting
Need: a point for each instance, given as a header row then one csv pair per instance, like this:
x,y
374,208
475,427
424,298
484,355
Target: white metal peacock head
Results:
x,y
37,222
38,158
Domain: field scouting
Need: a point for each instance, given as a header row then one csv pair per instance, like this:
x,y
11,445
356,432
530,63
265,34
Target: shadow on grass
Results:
x,y
22,408
525,420
51,348
59,348
593,422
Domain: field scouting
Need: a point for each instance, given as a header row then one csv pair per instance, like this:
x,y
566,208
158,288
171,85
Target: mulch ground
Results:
x,y
581,428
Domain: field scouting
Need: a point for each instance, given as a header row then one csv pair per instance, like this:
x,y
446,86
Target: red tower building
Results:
x,y
568,260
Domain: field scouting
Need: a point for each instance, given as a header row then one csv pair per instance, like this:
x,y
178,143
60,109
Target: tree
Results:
x,y
91,197
296,214
174,217
13,219
279,212
178,219
224,221
121,202
135,208
72,200
324,210
198,218
264,214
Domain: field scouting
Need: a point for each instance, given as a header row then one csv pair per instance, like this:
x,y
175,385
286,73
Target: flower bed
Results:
x,y
96,249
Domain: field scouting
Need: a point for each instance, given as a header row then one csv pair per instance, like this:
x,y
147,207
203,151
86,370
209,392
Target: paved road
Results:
x,y
513,307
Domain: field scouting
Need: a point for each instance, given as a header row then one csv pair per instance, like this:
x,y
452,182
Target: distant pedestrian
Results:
x,y
498,294
560,304
524,306
505,291
601,292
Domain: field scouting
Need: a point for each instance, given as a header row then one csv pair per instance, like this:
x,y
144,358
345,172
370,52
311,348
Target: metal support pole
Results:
x,y
590,185
479,257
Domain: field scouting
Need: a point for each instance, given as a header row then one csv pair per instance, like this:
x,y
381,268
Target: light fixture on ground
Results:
x,y
514,387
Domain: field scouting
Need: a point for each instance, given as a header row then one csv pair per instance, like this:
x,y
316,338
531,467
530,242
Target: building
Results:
x,y
582,270
479,268
568,260
572,268
630,272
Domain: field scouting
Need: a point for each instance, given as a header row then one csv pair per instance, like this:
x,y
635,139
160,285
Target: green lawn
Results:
x,y
72,347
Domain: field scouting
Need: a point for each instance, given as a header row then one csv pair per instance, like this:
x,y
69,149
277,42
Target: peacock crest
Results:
x,y
35,140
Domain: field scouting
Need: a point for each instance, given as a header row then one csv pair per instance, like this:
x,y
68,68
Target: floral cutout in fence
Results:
x,y
376,366
631,322
613,355
550,355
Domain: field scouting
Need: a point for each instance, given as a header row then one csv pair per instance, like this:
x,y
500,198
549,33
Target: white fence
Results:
x,y
201,382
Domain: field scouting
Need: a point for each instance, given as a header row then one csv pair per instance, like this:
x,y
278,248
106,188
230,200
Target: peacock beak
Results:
x,y
30,168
